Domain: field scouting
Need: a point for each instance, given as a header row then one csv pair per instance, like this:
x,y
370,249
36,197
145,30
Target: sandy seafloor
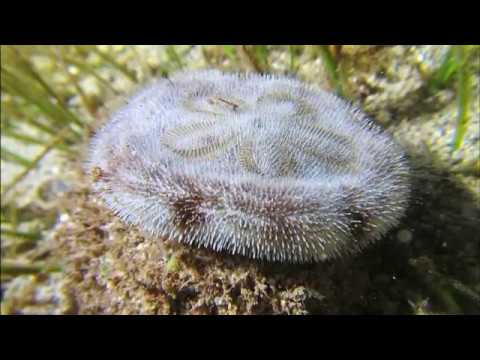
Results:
x,y
429,264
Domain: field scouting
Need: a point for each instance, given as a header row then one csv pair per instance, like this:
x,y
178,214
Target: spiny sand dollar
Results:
x,y
257,165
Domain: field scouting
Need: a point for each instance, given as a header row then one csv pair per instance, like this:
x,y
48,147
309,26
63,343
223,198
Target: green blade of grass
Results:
x,y
291,51
255,56
88,69
173,56
26,67
229,51
31,140
40,126
53,143
22,137
9,213
464,94
122,68
21,235
25,70
440,78
331,68
16,85
261,53
87,101
7,155
24,117
14,267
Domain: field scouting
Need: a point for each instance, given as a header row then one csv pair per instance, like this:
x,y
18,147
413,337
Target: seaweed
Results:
x,y
457,70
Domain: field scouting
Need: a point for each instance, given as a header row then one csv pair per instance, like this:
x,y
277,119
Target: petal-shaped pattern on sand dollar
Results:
x,y
257,165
